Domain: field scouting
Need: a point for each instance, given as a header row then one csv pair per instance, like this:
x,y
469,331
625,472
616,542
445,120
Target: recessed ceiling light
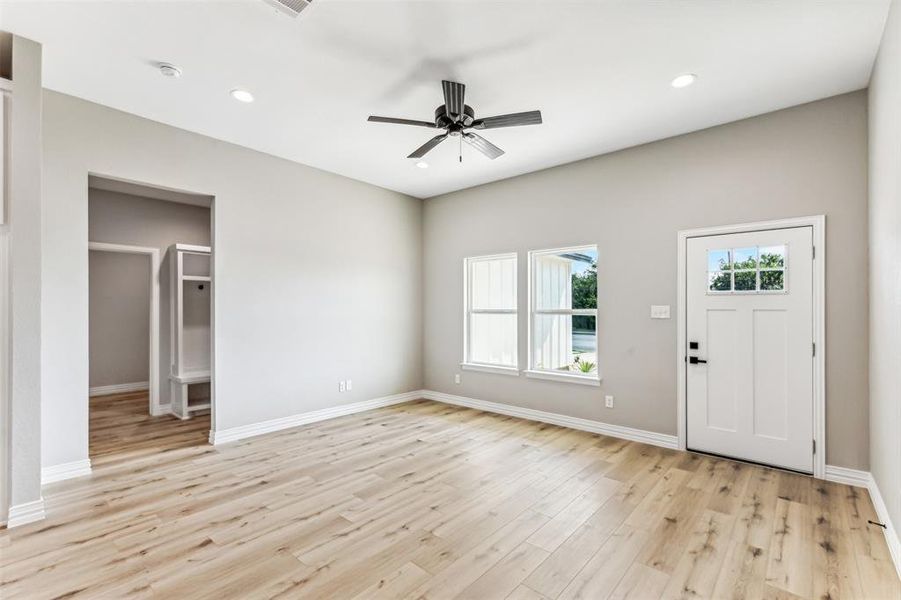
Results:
x,y
422,164
241,95
169,70
684,80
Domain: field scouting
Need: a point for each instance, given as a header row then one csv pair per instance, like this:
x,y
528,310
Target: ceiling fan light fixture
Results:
x,y
241,95
422,164
684,80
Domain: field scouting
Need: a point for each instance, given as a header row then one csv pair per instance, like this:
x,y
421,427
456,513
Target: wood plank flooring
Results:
x,y
423,500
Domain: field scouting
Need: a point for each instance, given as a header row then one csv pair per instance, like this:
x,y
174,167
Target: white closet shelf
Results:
x,y
192,377
192,248
196,278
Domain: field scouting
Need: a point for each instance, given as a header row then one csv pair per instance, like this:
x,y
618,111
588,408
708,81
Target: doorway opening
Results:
x,y
147,319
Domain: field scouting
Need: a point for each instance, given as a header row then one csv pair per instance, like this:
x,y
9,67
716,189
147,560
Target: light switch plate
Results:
x,y
349,385
660,311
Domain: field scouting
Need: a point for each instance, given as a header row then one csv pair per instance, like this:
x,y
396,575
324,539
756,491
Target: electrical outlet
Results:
x,y
349,385
342,387
608,401
457,378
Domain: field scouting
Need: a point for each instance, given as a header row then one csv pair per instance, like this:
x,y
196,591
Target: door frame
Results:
x,y
818,223
154,370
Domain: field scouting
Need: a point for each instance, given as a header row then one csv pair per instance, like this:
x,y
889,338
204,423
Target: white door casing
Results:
x,y
754,397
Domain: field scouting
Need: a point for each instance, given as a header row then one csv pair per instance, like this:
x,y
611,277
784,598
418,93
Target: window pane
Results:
x,y
566,280
492,339
719,282
493,283
772,280
746,281
772,257
718,260
565,343
745,258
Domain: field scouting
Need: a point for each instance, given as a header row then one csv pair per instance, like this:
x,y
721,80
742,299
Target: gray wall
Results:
x,y
127,219
885,267
318,277
24,247
119,323
806,160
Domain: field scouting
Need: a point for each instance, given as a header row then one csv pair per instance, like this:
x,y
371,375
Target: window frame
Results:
x,y
468,364
549,374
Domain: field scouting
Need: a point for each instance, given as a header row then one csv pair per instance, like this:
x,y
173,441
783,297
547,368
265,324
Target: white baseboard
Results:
x,y
25,513
891,534
164,409
865,479
848,476
79,468
119,388
617,431
233,434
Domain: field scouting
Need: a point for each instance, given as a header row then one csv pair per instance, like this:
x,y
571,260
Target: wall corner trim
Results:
x,y
865,479
233,434
54,473
618,431
25,513
119,388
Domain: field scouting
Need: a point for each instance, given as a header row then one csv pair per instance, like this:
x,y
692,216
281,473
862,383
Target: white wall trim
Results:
x,y
154,316
23,514
865,479
55,473
564,377
234,434
818,223
617,431
514,371
848,476
891,534
118,388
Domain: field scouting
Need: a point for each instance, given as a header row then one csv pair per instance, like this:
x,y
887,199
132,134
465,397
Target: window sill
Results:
x,y
579,379
490,369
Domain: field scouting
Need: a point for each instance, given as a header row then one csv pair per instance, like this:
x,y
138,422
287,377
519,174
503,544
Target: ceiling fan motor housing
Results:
x,y
445,121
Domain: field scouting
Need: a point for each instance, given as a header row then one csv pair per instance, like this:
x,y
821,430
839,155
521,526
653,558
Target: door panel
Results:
x,y
721,383
750,311
770,385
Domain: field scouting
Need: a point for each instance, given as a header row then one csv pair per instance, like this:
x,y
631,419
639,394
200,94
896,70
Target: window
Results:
x,y
563,302
756,270
490,327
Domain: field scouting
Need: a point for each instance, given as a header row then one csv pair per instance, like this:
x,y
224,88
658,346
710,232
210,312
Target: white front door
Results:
x,y
749,368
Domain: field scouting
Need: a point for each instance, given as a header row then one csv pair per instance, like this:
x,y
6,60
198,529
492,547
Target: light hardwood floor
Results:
x,y
424,500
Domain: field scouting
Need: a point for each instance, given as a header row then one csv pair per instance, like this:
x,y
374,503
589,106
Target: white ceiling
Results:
x,y
598,70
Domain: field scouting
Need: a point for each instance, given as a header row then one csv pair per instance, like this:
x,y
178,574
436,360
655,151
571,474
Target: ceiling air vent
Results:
x,y
289,7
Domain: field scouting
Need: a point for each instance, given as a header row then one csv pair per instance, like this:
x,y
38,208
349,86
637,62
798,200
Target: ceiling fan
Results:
x,y
457,119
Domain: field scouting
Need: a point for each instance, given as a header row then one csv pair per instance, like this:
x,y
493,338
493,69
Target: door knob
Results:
x,y
695,360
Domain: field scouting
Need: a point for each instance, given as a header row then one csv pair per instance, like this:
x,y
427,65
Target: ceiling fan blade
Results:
x,y
482,145
453,98
532,117
374,119
425,148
